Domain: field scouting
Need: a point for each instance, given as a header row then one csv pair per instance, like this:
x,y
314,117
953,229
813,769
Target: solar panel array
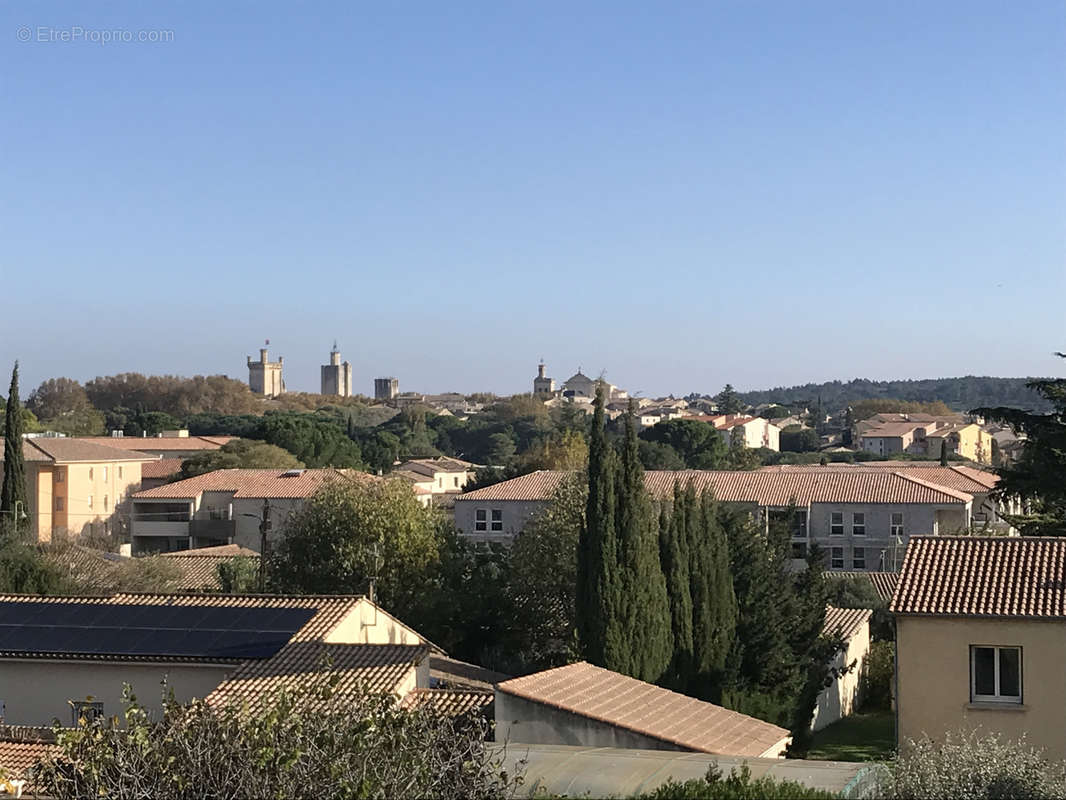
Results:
x,y
114,629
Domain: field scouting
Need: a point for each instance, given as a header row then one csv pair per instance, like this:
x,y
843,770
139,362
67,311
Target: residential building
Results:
x,y
646,417
841,697
755,432
862,518
160,471
981,639
336,377
894,438
76,487
436,477
386,388
968,440
264,376
66,657
586,705
226,506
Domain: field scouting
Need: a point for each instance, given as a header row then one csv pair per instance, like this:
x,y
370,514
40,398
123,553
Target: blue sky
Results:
x,y
680,194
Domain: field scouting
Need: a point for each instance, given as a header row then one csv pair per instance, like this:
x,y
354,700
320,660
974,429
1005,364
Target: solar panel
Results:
x,y
139,630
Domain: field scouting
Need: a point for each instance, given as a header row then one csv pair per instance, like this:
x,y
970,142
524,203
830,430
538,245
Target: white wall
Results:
x,y
841,697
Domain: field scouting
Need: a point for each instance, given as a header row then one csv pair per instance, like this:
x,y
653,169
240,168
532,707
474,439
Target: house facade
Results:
x,y
981,639
841,697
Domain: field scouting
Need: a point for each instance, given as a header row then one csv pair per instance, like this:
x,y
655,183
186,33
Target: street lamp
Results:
x,y
19,513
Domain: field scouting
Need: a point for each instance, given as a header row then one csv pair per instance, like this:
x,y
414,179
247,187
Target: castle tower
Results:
x,y
543,385
386,388
336,377
264,376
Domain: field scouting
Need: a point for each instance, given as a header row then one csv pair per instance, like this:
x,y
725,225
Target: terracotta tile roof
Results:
x,y
92,569
984,577
357,667
892,430
218,551
452,702
17,757
649,710
161,468
539,485
62,450
845,621
429,466
158,443
455,673
968,480
884,583
199,567
764,488
254,483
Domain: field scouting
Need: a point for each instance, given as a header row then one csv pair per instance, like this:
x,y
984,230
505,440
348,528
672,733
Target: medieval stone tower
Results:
x,y
336,377
264,377
542,384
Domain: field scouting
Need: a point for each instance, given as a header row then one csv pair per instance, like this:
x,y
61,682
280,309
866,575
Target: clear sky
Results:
x,y
680,194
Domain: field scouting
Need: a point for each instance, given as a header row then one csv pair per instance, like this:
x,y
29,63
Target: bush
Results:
x,y
308,743
878,671
973,766
738,786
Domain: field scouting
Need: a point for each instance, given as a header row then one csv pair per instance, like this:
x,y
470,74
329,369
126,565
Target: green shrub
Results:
x,y
878,672
739,785
973,766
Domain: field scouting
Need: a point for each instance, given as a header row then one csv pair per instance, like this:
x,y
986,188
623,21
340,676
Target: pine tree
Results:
x,y
597,547
674,555
13,492
645,637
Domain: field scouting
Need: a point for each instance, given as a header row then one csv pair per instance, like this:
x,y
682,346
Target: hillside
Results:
x,y
961,394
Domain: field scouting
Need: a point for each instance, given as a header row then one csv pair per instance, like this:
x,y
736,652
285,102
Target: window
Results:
x,y
61,475
59,504
836,523
105,503
897,524
479,519
799,549
89,501
85,711
440,483
104,472
90,473
996,674
858,524
497,519
120,472
858,558
836,560
799,525
455,481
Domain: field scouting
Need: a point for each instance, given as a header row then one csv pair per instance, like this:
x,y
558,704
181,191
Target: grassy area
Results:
x,y
860,737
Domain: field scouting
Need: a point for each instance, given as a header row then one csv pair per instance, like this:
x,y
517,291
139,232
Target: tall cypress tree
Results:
x,y
645,635
674,555
13,492
597,547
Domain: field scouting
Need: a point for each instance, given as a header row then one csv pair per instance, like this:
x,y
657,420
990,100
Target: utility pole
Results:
x,y
264,529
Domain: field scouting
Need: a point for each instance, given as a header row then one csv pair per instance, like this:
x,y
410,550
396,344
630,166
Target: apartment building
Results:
x,y
436,478
75,487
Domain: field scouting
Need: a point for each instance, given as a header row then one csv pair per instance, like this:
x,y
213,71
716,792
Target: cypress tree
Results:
x,y
674,555
723,598
645,645
944,452
13,492
597,549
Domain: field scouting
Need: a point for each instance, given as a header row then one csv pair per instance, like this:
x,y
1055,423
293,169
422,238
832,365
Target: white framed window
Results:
x,y
497,519
104,472
858,524
897,523
89,502
440,483
83,712
858,558
836,523
61,475
59,503
836,558
480,515
455,481
105,503
995,674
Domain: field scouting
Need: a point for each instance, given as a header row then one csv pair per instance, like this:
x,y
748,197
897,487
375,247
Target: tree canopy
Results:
x,y
240,454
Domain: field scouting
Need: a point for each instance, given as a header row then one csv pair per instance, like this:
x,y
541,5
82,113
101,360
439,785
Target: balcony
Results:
x,y
213,529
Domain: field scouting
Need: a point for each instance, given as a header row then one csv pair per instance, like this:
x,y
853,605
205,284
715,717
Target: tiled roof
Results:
x,y
158,443
92,569
61,450
356,667
432,465
846,621
18,756
539,485
199,567
649,710
893,430
455,673
161,468
254,483
764,488
884,583
984,577
452,702
968,480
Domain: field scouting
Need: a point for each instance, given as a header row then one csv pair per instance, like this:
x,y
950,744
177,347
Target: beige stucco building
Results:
x,y
981,639
841,697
